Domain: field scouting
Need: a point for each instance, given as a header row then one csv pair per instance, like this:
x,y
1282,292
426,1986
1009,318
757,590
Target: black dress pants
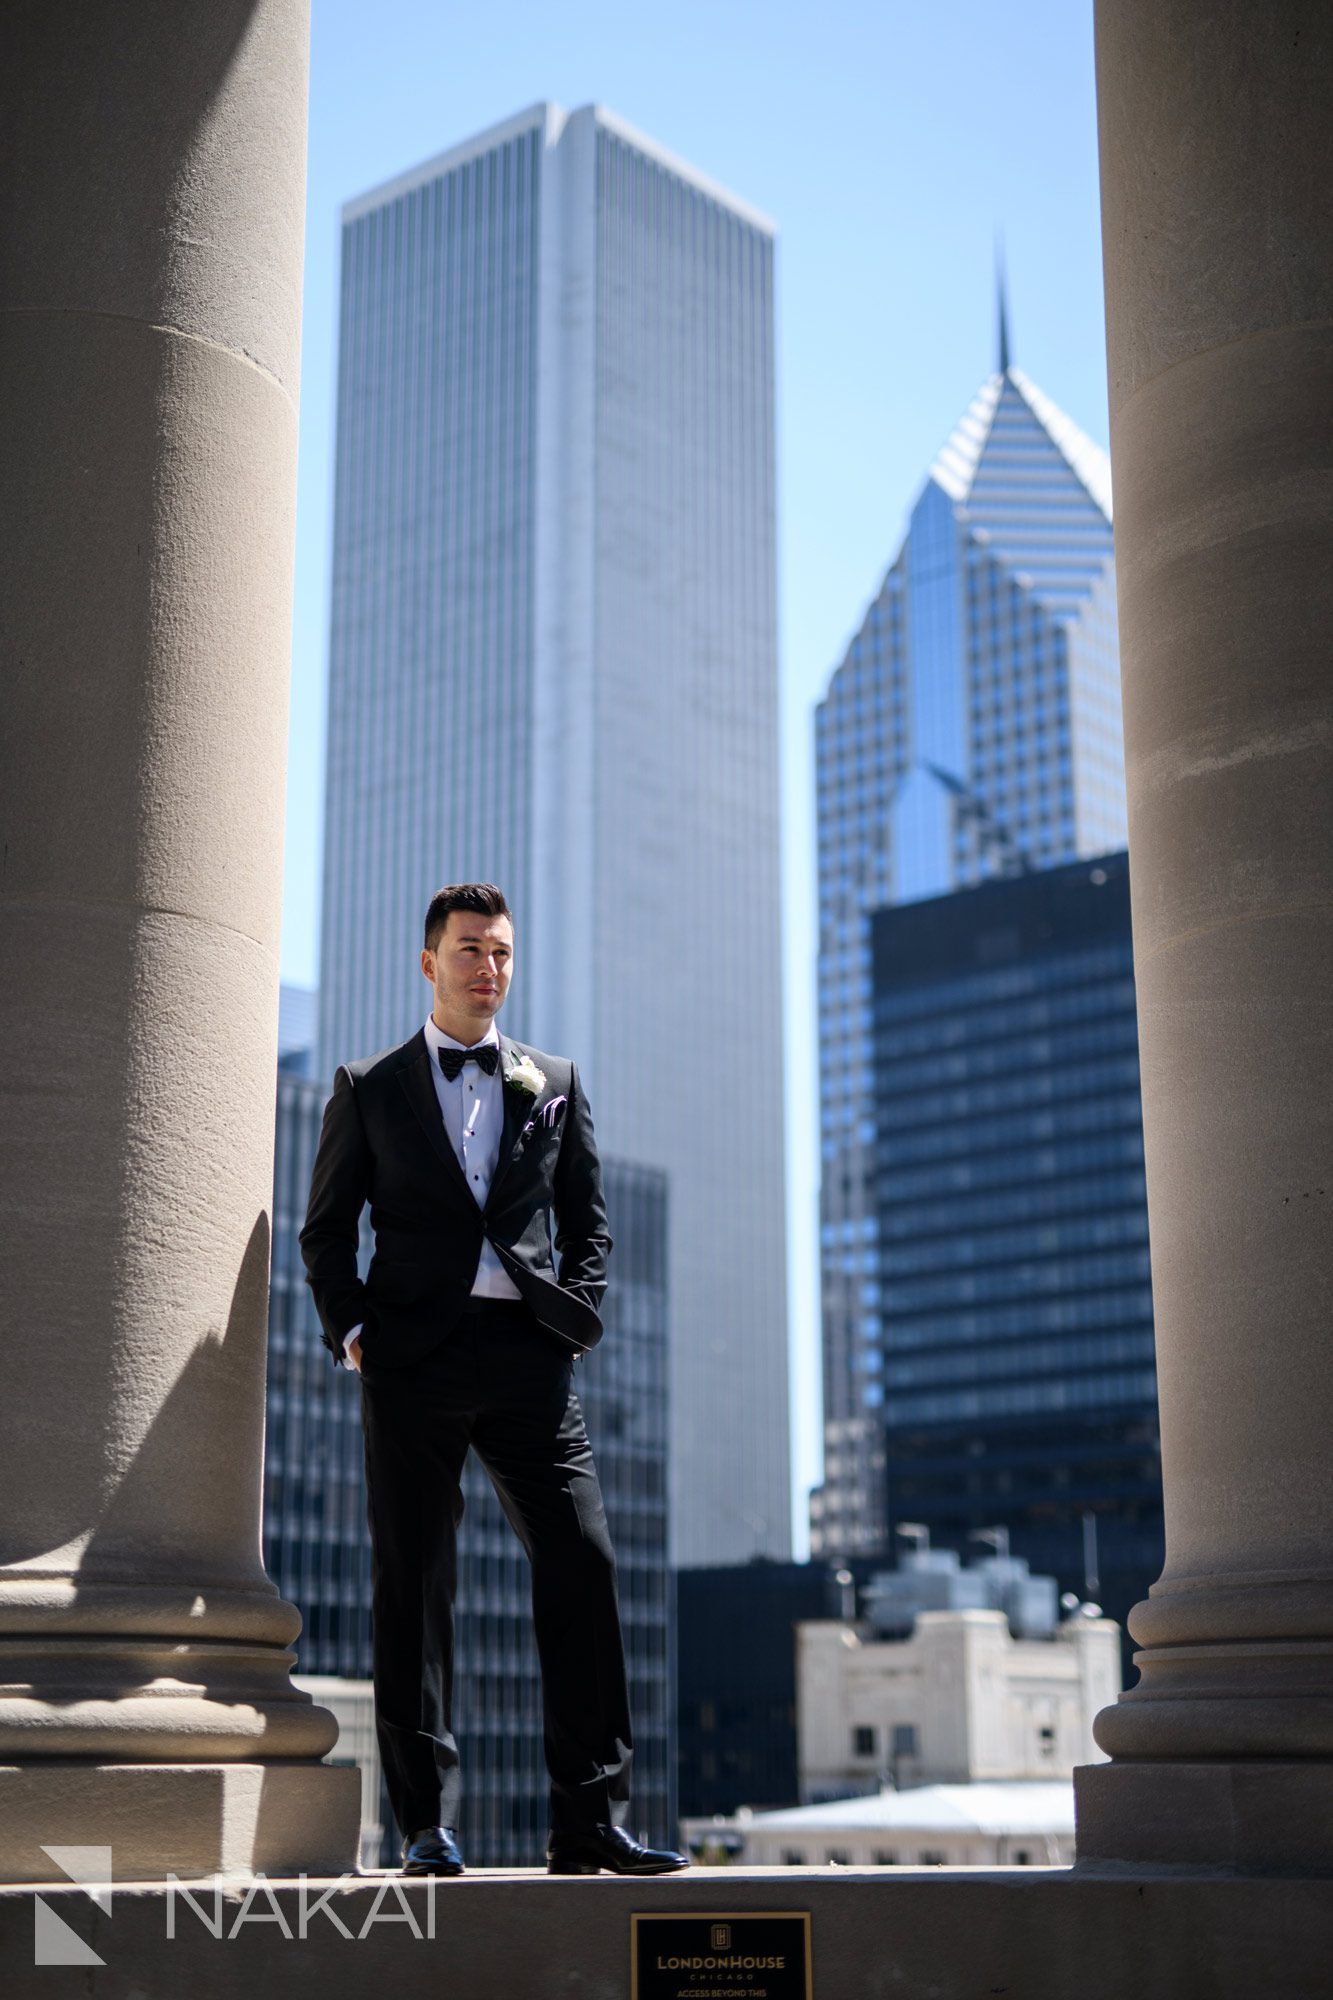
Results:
x,y
500,1385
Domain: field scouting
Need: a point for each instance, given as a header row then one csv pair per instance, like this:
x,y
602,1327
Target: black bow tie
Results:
x,y
452,1060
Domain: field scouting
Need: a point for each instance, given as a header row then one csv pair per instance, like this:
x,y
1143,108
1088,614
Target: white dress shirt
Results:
x,y
472,1107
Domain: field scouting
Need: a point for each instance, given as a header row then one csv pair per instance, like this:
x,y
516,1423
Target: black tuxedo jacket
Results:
x,y
383,1141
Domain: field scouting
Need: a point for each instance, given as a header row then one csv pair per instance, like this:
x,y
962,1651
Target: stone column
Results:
x,y
151,221
1219,294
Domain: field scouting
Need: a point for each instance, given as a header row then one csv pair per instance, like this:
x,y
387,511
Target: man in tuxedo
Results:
x,y
477,1156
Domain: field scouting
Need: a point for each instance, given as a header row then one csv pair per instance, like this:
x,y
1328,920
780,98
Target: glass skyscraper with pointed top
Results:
x,y
972,730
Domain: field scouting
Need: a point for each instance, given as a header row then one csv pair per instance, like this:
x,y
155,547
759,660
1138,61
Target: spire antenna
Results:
x,y
1001,307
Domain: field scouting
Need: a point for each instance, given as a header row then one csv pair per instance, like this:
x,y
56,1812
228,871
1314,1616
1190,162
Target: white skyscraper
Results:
x,y
553,665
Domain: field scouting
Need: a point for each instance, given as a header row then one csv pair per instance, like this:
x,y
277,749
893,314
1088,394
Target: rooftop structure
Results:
x,y
996,1825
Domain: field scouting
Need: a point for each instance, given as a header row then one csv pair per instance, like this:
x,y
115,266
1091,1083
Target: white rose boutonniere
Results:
x,y
525,1076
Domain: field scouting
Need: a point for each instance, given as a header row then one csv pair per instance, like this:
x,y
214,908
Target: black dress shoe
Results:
x,y
432,1850
594,1847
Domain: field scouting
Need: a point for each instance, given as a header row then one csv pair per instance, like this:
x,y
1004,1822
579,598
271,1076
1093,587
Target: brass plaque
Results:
x,y
721,1955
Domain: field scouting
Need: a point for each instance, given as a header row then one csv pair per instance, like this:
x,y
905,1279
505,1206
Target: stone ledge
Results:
x,y
936,1934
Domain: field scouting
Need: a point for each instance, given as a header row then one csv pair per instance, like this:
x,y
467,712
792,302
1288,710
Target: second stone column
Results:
x,y
1215,169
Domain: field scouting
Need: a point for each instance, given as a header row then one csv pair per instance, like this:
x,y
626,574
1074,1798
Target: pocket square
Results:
x,y
550,1113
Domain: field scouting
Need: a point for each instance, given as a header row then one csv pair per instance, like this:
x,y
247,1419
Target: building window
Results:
x,y
863,1741
886,1857
930,1859
903,1740
792,1857
837,1857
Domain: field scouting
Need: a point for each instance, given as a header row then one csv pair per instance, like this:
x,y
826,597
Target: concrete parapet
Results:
x,y
1033,1934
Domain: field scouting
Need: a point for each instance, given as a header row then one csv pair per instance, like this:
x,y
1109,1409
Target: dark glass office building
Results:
x,y
316,1542
737,1680
1016,1364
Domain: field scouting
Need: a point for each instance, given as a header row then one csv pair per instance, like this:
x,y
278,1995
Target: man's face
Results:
x,y
470,970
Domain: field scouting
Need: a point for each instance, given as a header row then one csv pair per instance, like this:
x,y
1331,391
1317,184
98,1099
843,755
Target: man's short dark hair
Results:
x,y
482,898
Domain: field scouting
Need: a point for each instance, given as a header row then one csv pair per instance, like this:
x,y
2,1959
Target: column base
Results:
x,y
190,1820
1243,1818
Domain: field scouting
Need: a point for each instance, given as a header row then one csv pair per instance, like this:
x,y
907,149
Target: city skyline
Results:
x,y
882,327
155,1736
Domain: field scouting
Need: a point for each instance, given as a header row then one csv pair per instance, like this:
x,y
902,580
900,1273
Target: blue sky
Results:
x,y
890,144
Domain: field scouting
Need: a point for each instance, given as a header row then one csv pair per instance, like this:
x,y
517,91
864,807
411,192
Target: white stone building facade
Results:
x,y
960,1701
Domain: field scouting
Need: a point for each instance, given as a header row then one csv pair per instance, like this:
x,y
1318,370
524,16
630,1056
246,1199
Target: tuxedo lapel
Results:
x,y
518,1109
419,1089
